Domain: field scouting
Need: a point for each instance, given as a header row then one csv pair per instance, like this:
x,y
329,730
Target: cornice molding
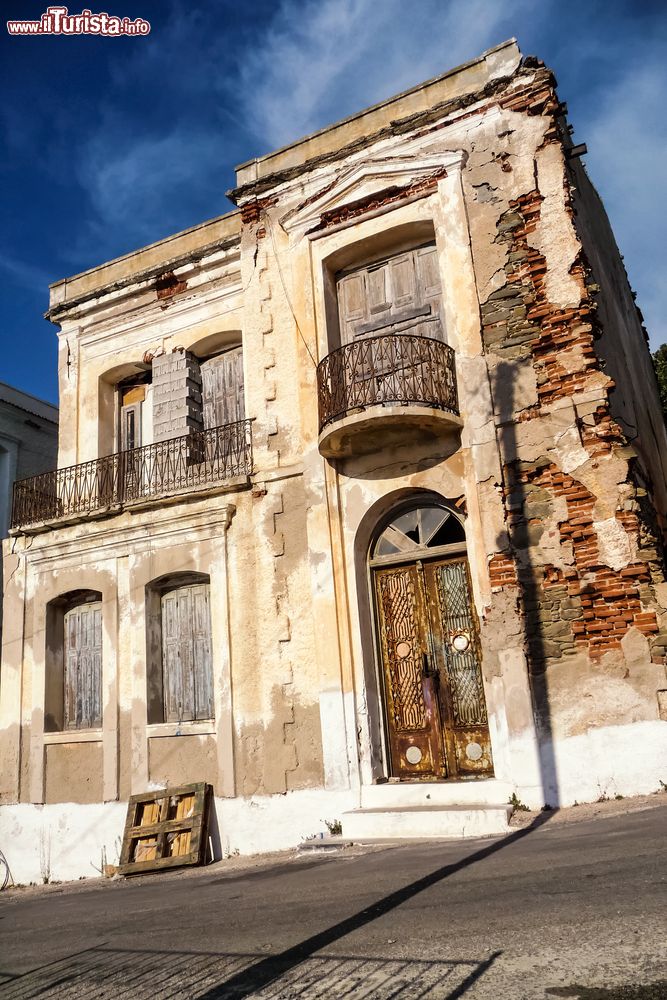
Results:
x,y
371,177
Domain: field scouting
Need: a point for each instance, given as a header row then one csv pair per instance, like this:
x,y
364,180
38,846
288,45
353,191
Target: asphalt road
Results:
x,y
556,910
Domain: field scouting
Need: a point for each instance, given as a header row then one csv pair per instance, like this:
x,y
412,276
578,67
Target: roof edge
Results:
x,y
22,401
254,166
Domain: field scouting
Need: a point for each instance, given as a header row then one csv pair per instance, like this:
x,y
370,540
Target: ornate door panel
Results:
x,y
458,652
413,722
437,724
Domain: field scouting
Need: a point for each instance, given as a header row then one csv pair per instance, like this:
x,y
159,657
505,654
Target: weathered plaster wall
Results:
x,y
572,600
276,714
181,760
187,295
559,503
109,334
258,573
73,772
623,341
578,559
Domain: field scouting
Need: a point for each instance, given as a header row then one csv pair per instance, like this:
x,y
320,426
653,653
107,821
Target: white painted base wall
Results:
x,y
59,843
65,842
601,763
422,822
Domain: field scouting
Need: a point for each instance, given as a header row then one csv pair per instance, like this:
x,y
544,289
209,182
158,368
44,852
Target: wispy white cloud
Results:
x,y
142,187
322,59
315,61
127,177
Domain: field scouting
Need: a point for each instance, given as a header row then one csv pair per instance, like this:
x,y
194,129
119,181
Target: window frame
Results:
x,y
56,700
157,685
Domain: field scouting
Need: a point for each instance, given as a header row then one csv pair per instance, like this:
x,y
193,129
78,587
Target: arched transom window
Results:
x,y
429,527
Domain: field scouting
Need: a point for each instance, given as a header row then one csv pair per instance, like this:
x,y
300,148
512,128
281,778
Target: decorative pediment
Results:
x,y
361,182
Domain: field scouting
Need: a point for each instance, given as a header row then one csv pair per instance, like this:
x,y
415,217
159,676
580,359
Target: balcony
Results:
x,y
195,463
386,391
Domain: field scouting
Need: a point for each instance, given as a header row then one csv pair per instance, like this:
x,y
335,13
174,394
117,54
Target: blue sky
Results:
x,y
109,144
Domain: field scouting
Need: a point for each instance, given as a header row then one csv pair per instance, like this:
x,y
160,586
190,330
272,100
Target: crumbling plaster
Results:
x,y
514,175
109,335
190,539
563,504
572,435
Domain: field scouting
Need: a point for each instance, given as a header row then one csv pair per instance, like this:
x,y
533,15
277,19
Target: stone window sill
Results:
x,y
201,728
74,736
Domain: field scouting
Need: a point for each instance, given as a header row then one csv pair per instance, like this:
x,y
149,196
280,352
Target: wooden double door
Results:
x,y
435,710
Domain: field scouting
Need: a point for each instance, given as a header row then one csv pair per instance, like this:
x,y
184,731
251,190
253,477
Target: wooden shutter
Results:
x,y
201,639
429,292
186,654
223,390
171,664
352,305
83,666
399,295
403,290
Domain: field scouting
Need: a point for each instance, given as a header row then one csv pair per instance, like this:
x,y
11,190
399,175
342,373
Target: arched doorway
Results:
x,y
428,644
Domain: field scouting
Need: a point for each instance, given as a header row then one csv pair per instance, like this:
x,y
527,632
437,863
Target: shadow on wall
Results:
x,y
405,460
214,846
530,595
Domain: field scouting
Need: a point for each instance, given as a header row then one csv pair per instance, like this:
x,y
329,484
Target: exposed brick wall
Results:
x,y
580,604
419,188
502,571
587,604
537,97
518,318
251,212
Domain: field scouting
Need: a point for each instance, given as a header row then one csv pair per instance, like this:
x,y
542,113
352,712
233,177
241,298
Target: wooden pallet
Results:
x,y
165,829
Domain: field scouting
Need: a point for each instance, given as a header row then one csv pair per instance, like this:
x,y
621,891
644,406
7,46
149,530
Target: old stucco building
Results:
x,y
360,503
28,445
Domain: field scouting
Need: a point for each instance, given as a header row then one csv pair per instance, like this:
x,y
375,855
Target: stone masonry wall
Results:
x,y
177,396
581,557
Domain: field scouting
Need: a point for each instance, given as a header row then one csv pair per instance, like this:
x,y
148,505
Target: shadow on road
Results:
x,y
260,975
107,973
298,971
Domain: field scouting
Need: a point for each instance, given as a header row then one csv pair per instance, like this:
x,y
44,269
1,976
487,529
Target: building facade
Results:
x,y
360,502
28,445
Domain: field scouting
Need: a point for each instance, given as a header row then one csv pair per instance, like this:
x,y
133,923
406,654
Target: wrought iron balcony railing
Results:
x,y
395,368
196,461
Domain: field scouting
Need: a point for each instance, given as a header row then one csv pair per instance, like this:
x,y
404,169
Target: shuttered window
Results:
x,y
399,295
83,667
222,388
186,654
